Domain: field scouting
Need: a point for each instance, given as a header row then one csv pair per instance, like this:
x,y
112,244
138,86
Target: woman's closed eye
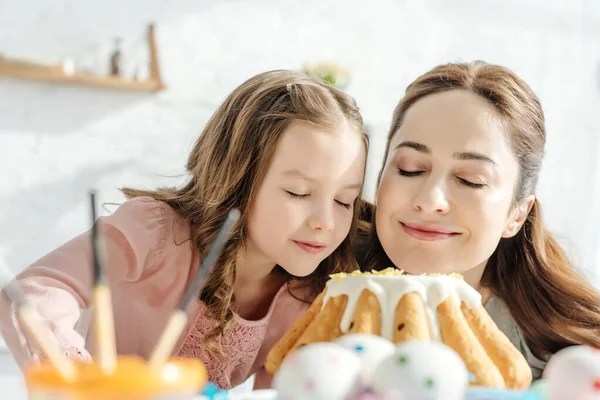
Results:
x,y
409,173
472,184
297,195
463,181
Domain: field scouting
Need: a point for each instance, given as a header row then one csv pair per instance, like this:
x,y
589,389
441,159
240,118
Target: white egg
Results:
x,y
371,349
574,373
422,371
319,371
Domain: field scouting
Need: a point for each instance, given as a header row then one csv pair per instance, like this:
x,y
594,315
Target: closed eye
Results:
x,y
471,184
304,196
297,195
461,180
409,173
345,205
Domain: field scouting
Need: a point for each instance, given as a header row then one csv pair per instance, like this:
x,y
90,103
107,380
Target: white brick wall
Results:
x,y
56,142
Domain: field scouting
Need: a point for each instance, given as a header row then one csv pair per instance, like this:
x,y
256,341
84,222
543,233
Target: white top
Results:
x,y
498,310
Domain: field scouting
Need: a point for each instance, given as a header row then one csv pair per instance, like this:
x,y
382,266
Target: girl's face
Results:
x,y
303,209
446,193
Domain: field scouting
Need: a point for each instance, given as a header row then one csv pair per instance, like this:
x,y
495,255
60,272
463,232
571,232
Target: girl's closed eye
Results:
x,y
347,206
299,195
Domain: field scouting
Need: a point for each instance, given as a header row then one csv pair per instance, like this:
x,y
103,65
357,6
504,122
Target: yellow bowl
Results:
x,y
179,378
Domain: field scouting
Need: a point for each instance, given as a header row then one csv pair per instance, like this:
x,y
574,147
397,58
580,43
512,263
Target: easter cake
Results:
x,y
401,308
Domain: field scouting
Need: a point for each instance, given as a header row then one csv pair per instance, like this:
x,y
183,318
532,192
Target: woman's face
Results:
x,y
446,193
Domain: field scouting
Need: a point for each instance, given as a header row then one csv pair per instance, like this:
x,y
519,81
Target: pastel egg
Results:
x,y
422,371
371,350
574,373
319,371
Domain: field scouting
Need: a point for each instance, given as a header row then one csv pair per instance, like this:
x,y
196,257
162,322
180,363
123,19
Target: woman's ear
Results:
x,y
518,217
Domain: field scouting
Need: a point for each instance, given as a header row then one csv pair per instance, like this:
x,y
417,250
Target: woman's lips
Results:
x,y
427,232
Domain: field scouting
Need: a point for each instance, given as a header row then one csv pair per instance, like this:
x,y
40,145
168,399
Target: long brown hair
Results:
x,y
229,161
554,306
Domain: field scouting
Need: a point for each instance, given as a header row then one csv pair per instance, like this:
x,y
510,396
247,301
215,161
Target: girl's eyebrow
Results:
x,y
296,173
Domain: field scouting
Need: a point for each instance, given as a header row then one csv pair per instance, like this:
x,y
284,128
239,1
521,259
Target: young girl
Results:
x,y
457,194
288,152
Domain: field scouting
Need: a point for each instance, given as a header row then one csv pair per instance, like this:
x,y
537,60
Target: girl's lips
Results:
x,y
310,247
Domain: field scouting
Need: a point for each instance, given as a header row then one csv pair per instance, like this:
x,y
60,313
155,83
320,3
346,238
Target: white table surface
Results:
x,y
13,387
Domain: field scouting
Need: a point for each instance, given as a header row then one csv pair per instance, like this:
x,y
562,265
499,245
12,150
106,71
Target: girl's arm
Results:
x,y
58,285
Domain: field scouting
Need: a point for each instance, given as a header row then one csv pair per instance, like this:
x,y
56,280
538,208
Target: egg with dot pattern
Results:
x,y
371,350
422,371
574,373
319,371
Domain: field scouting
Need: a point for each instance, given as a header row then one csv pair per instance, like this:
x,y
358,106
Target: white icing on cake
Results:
x,y
389,287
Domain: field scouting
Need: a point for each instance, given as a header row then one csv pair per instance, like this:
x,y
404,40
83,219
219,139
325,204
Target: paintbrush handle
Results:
x,y
168,339
211,258
105,330
42,336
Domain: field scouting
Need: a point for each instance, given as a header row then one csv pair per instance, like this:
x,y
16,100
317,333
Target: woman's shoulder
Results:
x,y
500,314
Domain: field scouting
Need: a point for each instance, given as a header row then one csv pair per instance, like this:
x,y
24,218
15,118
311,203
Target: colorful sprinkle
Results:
x,y
429,383
210,390
358,348
597,384
310,385
472,377
402,360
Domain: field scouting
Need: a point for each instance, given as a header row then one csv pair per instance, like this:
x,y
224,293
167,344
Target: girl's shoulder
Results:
x,y
153,231
147,216
289,304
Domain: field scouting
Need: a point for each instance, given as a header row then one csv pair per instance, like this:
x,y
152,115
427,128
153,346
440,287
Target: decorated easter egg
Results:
x,y
574,373
371,350
422,371
537,391
319,371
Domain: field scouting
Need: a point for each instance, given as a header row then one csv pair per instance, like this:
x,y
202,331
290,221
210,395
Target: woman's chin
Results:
x,y
425,269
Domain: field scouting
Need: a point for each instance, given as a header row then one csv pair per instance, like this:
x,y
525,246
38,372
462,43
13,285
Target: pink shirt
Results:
x,y
150,264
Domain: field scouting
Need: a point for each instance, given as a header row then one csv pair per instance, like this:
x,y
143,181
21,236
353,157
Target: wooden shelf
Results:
x,y
54,74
